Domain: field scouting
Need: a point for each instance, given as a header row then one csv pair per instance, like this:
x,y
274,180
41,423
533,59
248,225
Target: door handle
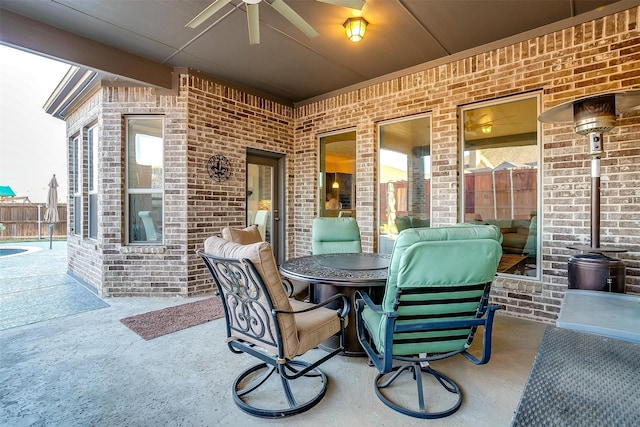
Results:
x,y
275,215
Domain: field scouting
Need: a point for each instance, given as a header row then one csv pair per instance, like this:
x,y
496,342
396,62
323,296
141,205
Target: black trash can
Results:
x,y
596,272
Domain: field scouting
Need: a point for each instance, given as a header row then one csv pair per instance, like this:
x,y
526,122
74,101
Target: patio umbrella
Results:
x,y
51,214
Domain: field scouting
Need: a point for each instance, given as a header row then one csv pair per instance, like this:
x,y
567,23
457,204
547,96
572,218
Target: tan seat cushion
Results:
x,y
243,236
314,326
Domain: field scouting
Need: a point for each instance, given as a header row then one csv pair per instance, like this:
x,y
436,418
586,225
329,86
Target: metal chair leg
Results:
x,y
294,397
385,382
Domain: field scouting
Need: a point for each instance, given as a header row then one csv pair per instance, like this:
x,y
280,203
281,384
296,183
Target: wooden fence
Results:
x,y
503,194
25,220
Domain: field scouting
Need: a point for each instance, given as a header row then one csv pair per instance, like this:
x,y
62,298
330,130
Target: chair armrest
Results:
x,y
342,313
362,297
288,286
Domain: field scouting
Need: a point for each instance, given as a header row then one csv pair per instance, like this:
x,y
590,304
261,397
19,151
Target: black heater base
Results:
x,y
596,272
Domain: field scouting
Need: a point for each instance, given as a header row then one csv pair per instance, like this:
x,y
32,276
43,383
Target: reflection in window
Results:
x,y
260,198
145,179
338,175
500,179
404,192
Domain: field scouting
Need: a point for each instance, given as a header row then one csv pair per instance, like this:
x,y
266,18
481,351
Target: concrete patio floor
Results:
x,y
86,368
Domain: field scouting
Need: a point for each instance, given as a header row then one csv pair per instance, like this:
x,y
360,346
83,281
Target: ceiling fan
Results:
x,y
483,124
253,17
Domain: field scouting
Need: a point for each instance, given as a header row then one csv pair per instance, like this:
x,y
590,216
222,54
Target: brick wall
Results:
x,y
113,268
84,256
207,118
594,57
228,122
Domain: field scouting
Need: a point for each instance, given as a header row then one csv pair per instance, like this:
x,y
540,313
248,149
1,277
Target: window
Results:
x,y
404,185
500,177
77,189
92,139
338,175
145,179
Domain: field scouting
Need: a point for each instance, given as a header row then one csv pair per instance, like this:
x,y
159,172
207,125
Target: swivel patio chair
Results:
x,y
335,235
264,322
436,297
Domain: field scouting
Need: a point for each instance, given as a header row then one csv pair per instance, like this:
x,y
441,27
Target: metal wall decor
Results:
x,y
219,168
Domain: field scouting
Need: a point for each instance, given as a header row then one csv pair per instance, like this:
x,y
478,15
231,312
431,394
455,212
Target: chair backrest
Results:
x,y
149,223
438,274
244,236
335,235
250,286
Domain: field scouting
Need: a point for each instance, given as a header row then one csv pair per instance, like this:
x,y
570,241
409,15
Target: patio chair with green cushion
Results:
x,y
335,235
264,322
435,299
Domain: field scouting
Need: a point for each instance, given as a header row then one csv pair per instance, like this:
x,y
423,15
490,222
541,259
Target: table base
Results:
x,y
323,291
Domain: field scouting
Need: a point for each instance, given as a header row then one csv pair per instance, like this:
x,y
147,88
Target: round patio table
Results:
x,y
330,274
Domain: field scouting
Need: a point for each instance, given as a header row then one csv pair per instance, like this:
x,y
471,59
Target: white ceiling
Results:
x,y
287,64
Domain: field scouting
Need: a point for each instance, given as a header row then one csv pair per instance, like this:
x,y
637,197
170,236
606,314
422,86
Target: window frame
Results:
x,y
76,143
537,95
92,181
383,246
142,191
338,136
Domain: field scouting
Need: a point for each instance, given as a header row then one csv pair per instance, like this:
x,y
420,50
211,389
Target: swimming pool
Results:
x,y
11,251
17,250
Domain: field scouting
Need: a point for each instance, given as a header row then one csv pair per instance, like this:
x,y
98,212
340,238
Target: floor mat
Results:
x,y
161,322
580,379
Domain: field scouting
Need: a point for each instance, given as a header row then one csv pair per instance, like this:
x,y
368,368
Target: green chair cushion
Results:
x,y
414,235
438,259
335,235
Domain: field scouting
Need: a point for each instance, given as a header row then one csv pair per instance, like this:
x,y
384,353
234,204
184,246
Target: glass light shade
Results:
x,y
335,184
486,129
355,28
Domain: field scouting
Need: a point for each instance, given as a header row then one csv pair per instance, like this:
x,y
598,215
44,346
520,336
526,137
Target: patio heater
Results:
x,y
592,116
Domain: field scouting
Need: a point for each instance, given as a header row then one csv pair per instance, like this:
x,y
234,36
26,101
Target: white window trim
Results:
x,y
130,191
77,185
538,96
92,175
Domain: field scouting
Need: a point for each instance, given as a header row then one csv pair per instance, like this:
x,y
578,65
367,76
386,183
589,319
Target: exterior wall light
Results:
x,y
355,28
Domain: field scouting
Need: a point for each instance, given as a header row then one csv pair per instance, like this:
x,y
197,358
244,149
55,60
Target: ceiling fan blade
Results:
x,y
351,4
294,18
253,18
207,13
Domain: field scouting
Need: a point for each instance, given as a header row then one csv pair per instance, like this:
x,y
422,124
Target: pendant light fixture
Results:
x,y
355,28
